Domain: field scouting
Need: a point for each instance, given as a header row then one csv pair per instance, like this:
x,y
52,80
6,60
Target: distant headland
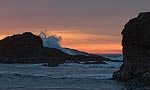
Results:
x,y
28,48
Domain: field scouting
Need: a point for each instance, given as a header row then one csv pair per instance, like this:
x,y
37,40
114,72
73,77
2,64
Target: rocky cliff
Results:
x,y
136,50
28,48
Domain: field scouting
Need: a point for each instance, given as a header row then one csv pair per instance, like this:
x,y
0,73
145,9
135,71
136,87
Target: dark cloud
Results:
x,y
101,16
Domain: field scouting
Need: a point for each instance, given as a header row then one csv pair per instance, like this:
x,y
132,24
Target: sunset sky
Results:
x,y
89,25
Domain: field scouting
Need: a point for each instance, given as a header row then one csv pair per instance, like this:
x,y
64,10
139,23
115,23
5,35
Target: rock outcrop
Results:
x,y
26,48
136,50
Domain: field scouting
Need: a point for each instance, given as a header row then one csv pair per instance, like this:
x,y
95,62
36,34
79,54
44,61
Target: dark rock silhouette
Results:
x,y
28,48
136,50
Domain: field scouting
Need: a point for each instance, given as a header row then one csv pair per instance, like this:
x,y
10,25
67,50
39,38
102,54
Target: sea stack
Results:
x,y
136,50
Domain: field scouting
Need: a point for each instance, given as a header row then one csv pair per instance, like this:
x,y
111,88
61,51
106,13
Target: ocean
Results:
x,y
67,76
113,56
66,70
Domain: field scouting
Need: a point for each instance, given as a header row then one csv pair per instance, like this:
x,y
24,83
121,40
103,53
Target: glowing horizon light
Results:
x,y
96,44
98,48
2,36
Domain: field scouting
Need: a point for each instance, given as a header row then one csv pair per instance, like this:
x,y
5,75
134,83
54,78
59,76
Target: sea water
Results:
x,y
66,70
113,56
